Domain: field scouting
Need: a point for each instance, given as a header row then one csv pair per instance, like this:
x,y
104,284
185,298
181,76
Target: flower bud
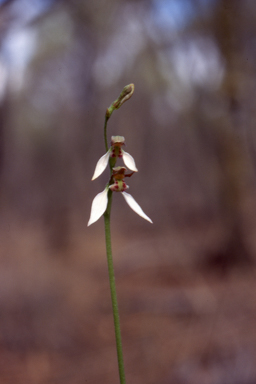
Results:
x,y
125,95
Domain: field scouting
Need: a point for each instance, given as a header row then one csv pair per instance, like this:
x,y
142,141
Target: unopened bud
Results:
x,y
125,95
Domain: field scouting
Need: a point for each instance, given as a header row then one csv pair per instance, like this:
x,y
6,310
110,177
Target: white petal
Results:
x,y
101,165
99,206
129,161
135,206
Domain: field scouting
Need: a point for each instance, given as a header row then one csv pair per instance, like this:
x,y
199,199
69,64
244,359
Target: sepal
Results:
x,y
99,206
135,206
101,165
129,161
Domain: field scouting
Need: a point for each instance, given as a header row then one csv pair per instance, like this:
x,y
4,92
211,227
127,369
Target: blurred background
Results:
x,y
186,284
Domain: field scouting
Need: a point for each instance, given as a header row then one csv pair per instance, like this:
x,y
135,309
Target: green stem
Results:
x,y
113,290
105,132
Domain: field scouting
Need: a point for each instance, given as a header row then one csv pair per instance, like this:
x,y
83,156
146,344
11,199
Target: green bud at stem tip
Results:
x,y
125,95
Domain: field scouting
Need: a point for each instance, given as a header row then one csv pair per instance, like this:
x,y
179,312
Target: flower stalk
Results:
x,y
125,95
113,290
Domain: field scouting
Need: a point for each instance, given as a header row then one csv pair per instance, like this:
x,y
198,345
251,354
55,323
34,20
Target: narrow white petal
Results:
x,y
135,206
101,165
99,206
129,161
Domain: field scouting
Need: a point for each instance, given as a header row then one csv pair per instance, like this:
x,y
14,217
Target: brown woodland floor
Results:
x,y
179,324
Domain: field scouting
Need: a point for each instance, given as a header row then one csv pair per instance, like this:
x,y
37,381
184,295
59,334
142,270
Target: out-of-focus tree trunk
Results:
x,y
1,138
227,29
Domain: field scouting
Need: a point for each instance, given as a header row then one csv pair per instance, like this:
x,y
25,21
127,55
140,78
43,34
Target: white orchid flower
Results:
x,y
100,202
114,151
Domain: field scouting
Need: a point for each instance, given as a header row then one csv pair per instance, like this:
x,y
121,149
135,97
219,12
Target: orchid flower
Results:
x,y
114,151
100,201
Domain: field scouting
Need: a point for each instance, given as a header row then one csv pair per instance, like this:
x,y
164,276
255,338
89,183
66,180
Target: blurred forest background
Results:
x,y
186,284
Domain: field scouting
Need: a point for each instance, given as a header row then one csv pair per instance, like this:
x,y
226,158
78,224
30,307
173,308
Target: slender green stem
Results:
x,y
113,290
105,132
